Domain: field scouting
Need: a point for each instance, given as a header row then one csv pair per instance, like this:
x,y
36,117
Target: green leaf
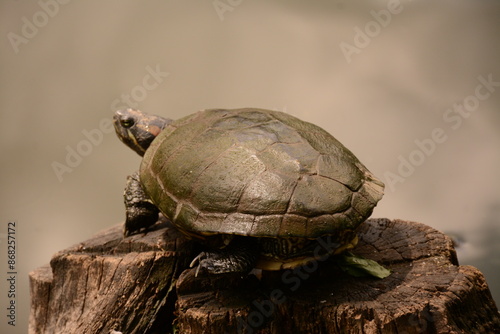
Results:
x,y
359,266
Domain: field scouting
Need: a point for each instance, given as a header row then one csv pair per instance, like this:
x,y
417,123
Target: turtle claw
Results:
x,y
207,262
197,260
224,261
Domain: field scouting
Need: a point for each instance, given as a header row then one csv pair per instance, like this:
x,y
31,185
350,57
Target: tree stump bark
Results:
x,y
109,283
141,284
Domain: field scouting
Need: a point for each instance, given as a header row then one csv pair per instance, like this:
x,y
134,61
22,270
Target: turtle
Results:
x,y
259,188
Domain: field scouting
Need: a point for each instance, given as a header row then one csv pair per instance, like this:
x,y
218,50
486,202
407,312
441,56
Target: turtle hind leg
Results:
x,y
140,210
239,256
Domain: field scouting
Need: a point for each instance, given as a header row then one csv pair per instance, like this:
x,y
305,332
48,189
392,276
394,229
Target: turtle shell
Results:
x,y
257,173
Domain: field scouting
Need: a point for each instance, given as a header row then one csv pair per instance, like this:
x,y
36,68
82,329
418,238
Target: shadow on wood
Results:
x,y
132,285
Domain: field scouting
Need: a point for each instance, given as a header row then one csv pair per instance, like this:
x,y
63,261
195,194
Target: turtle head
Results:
x,y
137,129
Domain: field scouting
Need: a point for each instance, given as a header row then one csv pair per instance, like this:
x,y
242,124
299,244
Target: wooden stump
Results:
x,y
128,285
111,283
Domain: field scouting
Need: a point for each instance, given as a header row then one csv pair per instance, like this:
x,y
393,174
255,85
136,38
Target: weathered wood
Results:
x,y
110,283
129,285
427,292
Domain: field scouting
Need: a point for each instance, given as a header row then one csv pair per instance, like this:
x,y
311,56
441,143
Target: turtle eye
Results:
x,y
127,122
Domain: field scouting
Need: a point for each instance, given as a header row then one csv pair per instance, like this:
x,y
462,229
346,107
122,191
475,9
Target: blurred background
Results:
x,y
412,89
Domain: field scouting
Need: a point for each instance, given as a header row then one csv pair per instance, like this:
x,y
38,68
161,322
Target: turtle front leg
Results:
x,y
140,210
239,256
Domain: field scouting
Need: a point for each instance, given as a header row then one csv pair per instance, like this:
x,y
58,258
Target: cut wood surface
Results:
x,y
141,284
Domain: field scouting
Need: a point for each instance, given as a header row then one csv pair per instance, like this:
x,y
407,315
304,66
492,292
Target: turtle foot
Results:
x,y
217,263
139,218
238,257
140,210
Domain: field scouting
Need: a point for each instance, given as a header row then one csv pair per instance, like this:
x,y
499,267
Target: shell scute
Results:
x,y
316,195
340,169
268,192
220,186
